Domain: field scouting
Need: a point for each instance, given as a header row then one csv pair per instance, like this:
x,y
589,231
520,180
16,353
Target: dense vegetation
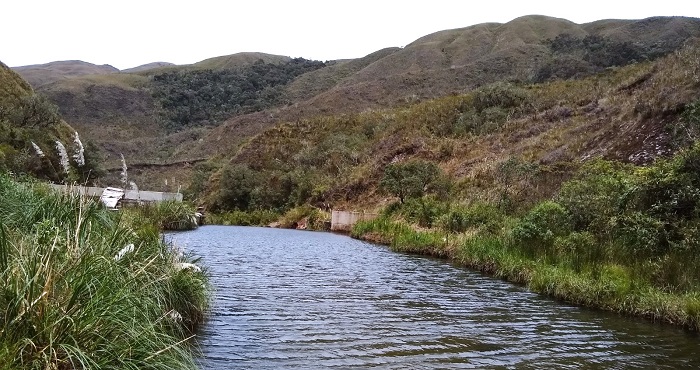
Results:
x,y
207,97
30,133
578,57
616,236
85,288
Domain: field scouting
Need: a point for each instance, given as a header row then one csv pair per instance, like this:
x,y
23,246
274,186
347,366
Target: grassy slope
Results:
x,y
42,74
447,62
620,114
27,118
12,87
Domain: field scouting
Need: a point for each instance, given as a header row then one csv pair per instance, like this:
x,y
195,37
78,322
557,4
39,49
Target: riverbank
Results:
x,y
609,286
85,287
618,237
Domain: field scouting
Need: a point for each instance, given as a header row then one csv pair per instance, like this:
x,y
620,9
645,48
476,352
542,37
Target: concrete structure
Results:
x,y
130,196
344,220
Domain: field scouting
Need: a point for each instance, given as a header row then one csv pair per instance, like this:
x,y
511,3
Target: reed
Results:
x,y
84,288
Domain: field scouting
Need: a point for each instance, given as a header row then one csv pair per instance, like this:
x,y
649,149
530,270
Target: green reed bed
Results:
x,y
88,288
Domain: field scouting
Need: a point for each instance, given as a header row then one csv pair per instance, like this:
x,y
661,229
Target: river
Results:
x,y
287,299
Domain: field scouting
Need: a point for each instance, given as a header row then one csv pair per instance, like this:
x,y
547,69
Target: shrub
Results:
x,y
411,179
501,95
484,216
538,229
423,211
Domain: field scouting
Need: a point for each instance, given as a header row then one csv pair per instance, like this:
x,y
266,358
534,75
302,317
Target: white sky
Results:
x,y
128,33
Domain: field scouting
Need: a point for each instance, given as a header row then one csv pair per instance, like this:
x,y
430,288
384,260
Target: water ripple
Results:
x,y
304,300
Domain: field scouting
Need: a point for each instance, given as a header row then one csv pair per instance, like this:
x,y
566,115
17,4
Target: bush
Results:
x,y
502,95
538,229
483,216
411,179
423,211
312,217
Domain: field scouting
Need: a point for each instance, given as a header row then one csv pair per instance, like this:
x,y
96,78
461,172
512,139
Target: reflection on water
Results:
x,y
297,299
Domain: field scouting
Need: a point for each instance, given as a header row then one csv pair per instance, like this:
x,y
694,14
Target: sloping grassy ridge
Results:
x,y
85,288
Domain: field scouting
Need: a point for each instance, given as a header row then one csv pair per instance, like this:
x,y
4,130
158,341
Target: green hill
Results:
x,y
208,109
30,130
42,74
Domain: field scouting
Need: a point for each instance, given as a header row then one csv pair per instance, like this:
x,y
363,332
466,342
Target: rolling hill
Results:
x,y
124,113
42,74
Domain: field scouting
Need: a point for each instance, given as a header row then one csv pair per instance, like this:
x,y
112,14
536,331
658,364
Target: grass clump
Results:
x,y
84,288
168,215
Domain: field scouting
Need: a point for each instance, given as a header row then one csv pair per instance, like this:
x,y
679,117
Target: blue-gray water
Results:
x,y
289,299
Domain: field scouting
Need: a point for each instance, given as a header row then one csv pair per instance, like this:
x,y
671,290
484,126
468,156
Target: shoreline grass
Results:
x,y
86,288
609,286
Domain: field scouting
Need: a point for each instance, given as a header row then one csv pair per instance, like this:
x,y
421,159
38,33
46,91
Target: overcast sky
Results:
x,y
128,33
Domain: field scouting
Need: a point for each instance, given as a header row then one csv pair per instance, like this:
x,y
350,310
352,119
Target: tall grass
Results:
x,y
168,215
71,300
573,269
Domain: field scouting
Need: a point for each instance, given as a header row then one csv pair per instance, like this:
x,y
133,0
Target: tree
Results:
x,y
409,179
237,185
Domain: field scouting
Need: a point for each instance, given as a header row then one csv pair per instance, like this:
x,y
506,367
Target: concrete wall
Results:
x,y
344,220
129,195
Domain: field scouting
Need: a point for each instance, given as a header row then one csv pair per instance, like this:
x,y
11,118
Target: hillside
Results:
x,y
500,140
150,117
456,61
147,67
30,132
42,74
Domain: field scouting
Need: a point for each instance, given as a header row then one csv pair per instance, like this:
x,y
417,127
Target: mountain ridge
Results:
x,y
449,62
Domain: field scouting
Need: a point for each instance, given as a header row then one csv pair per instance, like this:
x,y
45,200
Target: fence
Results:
x,y
344,220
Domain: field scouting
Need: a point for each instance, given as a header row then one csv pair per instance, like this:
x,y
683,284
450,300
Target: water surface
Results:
x,y
288,299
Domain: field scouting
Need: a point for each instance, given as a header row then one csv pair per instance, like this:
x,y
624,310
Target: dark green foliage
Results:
x,y
595,195
500,95
514,177
579,57
424,211
641,215
35,120
244,189
490,107
410,179
244,218
538,229
479,215
236,188
207,97
32,111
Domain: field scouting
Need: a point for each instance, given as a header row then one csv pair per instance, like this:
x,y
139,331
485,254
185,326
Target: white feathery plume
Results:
x,y
38,150
79,155
63,156
189,266
127,249
124,176
175,316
